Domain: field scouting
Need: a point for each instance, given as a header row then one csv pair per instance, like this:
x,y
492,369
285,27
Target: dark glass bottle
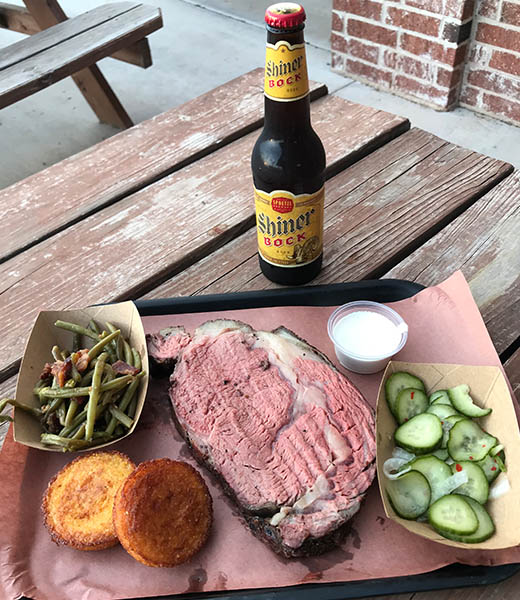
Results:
x,y
288,160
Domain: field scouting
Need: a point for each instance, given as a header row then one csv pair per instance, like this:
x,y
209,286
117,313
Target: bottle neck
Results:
x,y
286,78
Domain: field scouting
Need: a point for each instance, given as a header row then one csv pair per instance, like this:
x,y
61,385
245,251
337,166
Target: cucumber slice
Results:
x,y
409,494
477,486
485,529
454,419
443,411
467,441
410,402
462,401
496,450
397,382
490,467
452,514
435,470
422,434
441,453
440,397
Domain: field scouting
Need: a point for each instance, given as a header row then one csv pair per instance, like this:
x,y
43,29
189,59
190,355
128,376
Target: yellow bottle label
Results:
x,y
289,227
285,72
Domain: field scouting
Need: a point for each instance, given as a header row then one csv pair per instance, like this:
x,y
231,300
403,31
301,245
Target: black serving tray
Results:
x,y
383,290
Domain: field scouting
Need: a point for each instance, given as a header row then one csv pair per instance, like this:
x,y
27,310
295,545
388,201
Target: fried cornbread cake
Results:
x,y
79,500
163,513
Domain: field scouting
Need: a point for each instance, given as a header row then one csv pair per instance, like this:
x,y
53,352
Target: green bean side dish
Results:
x,y
87,396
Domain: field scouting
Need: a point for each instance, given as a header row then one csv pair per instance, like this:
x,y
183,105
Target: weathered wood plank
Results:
x,y
7,389
19,19
128,247
67,55
512,367
57,28
44,203
16,18
376,211
484,243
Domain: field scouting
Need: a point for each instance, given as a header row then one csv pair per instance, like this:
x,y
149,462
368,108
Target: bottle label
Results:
x,y
285,72
289,227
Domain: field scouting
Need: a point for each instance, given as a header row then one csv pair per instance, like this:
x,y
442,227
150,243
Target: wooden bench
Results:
x,y
71,47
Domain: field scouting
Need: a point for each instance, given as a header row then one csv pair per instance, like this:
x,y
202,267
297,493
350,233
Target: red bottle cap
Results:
x,y
285,15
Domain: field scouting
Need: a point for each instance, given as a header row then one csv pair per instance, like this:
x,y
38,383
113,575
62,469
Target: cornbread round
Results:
x,y
79,500
163,513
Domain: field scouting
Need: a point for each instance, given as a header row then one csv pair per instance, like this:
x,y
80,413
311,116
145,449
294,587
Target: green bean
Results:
x,y
75,374
80,433
132,408
137,359
95,350
56,353
64,354
115,384
94,395
117,344
65,443
62,413
54,404
119,431
5,419
77,329
76,341
30,409
125,401
71,412
79,418
70,383
129,357
120,416
94,327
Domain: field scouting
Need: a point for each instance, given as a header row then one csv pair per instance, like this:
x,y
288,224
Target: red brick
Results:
x,y
362,8
382,78
390,59
494,82
449,78
489,8
460,9
498,36
415,68
363,51
469,96
431,50
338,42
422,90
432,6
373,33
505,108
510,13
413,21
337,23
503,61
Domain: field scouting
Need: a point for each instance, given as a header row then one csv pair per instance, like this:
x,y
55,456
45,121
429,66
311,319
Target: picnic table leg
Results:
x,y
90,81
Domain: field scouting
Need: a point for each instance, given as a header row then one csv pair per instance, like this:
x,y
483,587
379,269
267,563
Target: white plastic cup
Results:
x,y
372,362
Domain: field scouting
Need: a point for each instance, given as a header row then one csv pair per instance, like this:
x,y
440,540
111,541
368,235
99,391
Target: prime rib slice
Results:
x,y
289,437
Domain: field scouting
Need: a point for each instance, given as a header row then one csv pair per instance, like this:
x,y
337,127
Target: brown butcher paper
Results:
x,y
445,327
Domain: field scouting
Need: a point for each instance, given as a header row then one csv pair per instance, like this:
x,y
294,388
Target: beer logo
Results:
x,y
285,72
282,205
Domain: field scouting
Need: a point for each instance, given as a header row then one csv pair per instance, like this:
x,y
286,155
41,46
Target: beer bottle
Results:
x,y
288,159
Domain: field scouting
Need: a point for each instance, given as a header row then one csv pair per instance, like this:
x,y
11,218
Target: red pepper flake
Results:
x,y
483,445
412,395
493,468
442,422
471,457
458,467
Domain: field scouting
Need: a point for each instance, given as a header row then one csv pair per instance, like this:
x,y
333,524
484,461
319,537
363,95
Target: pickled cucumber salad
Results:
x,y
444,464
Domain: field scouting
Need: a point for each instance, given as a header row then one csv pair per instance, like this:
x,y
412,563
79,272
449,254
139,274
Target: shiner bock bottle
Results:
x,y
288,159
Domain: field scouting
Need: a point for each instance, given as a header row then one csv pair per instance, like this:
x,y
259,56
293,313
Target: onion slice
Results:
x,y
449,484
392,467
501,487
403,454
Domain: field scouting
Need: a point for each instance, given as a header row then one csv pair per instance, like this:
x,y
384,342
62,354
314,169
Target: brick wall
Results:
x,y
415,48
492,77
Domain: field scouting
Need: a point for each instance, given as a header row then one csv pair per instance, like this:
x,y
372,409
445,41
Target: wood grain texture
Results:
x,y
17,18
512,367
484,243
55,53
34,208
376,211
129,247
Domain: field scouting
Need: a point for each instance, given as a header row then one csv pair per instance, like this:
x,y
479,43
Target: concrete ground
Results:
x,y
203,44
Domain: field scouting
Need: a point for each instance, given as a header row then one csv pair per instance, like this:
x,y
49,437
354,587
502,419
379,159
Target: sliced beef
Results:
x,y
290,438
164,348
